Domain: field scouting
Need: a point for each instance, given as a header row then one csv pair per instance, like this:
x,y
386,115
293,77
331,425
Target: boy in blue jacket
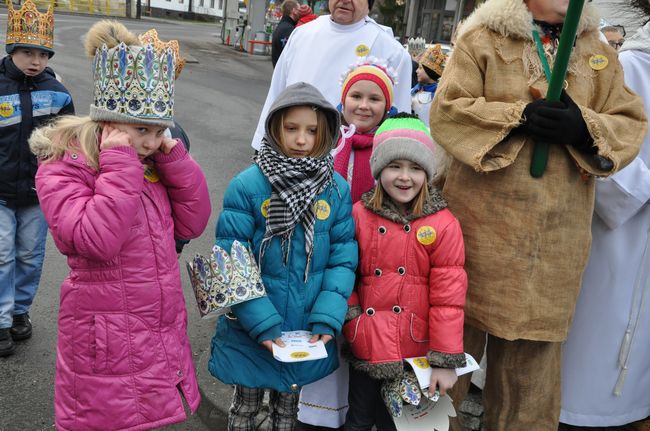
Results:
x,y
30,95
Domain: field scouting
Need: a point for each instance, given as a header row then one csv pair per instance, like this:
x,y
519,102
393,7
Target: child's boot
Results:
x,y
7,346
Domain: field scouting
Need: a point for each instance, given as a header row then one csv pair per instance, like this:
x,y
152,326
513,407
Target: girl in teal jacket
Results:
x,y
295,212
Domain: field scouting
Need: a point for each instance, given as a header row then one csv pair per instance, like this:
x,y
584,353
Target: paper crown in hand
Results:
x,y
27,27
225,279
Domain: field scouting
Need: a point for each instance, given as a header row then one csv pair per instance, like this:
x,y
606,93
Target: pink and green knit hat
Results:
x,y
402,137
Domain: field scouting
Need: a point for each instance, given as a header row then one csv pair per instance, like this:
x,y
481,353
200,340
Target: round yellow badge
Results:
x,y
265,207
151,174
299,355
6,109
362,50
426,235
598,62
421,363
322,209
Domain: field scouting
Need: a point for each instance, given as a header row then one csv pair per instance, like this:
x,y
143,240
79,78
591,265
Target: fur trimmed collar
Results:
x,y
434,203
511,18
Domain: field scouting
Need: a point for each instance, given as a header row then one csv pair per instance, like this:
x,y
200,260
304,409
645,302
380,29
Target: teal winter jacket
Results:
x,y
319,305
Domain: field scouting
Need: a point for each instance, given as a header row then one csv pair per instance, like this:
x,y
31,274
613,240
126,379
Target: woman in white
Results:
x,y
606,359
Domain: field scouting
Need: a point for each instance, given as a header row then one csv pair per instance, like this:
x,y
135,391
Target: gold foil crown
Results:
x,y
434,59
28,26
151,37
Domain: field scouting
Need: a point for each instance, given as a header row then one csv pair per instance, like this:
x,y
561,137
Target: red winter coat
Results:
x,y
410,288
122,351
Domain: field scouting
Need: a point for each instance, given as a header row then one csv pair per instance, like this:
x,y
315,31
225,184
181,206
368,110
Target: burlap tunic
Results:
x,y
527,239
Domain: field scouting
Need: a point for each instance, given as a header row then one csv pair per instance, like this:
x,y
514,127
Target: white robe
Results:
x,y
320,51
606,358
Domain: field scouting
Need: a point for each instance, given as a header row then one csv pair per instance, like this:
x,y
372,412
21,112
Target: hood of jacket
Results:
x,y
639,41
511,18
299,94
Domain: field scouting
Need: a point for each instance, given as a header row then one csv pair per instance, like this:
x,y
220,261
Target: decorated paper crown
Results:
x,y
225,279
416,46
27,27
434,59
151,36
133,84
371,69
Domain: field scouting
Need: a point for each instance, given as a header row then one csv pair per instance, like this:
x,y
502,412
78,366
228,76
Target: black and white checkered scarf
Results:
x,y
295,182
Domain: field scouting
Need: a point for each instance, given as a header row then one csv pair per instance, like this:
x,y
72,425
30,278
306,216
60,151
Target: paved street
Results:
x,y
218,101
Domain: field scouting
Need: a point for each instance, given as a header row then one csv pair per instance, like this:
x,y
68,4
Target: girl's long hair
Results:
x,y
67,133
323,134
417,204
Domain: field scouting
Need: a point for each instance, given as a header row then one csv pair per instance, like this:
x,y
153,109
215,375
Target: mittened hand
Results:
x,y
558,122
112,137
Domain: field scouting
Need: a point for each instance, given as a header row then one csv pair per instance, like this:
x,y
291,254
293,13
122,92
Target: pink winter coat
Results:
x,y
410,291
122,351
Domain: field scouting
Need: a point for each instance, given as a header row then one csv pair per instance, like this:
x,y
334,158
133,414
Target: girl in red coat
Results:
x,y
410,290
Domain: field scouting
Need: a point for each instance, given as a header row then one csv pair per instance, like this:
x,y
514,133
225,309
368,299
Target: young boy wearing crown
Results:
x,y
430,66
30,95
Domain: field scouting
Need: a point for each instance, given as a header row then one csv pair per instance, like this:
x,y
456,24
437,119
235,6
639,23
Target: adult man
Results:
x,y
527,239
615,35
320,52
290,16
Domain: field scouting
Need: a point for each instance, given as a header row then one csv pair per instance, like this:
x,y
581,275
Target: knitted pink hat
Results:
x,y
304,10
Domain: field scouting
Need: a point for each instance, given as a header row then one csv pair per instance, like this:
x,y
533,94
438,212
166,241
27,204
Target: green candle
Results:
x,y
567,38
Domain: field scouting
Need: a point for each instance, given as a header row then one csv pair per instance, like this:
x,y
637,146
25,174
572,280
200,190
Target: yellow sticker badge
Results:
x,y
421,363
362,50
299,355
6,109
598,62
322,209
264,209
151,174
426,235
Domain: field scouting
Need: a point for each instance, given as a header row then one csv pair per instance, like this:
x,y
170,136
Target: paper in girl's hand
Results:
x,y
426,416
423,370
298,348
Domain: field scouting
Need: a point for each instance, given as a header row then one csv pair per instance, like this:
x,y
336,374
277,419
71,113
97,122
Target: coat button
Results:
x,y
370,311
74,156
401,270
397,309
377,272
382,230
407,228
179,373
294,388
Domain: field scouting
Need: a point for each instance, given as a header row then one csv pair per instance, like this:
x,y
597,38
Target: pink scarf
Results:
x,y
362,179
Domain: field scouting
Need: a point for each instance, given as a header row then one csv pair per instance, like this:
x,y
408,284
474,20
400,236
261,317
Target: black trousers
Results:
x,y
366,407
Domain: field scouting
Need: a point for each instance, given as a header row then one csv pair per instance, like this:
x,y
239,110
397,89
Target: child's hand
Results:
x,y
112,137
269,344
323,337
168,145
443,378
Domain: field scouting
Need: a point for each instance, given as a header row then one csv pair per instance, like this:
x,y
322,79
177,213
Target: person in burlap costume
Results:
x,y
527,239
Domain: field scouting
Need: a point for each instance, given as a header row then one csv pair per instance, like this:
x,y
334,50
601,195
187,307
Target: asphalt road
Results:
x,y
218,101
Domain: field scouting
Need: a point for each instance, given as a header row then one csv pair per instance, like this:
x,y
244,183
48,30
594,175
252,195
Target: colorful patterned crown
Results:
x,y
225,279
151,36
434,59
133,84
29,27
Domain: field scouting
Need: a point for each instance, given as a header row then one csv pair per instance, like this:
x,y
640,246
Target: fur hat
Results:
x,y
133,83
402,137
370,69
29,28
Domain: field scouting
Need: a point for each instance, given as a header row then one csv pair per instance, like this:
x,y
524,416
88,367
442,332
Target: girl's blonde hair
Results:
x,y
323,134
67,133
417,204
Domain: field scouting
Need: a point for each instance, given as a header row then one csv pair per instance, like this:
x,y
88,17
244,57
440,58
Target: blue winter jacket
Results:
x,y
318,305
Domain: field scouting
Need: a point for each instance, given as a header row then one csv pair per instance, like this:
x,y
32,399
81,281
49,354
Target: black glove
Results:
x,y
558,122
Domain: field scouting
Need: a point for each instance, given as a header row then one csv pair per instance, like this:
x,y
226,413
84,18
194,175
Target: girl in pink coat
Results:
x,y
116,194
410,290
